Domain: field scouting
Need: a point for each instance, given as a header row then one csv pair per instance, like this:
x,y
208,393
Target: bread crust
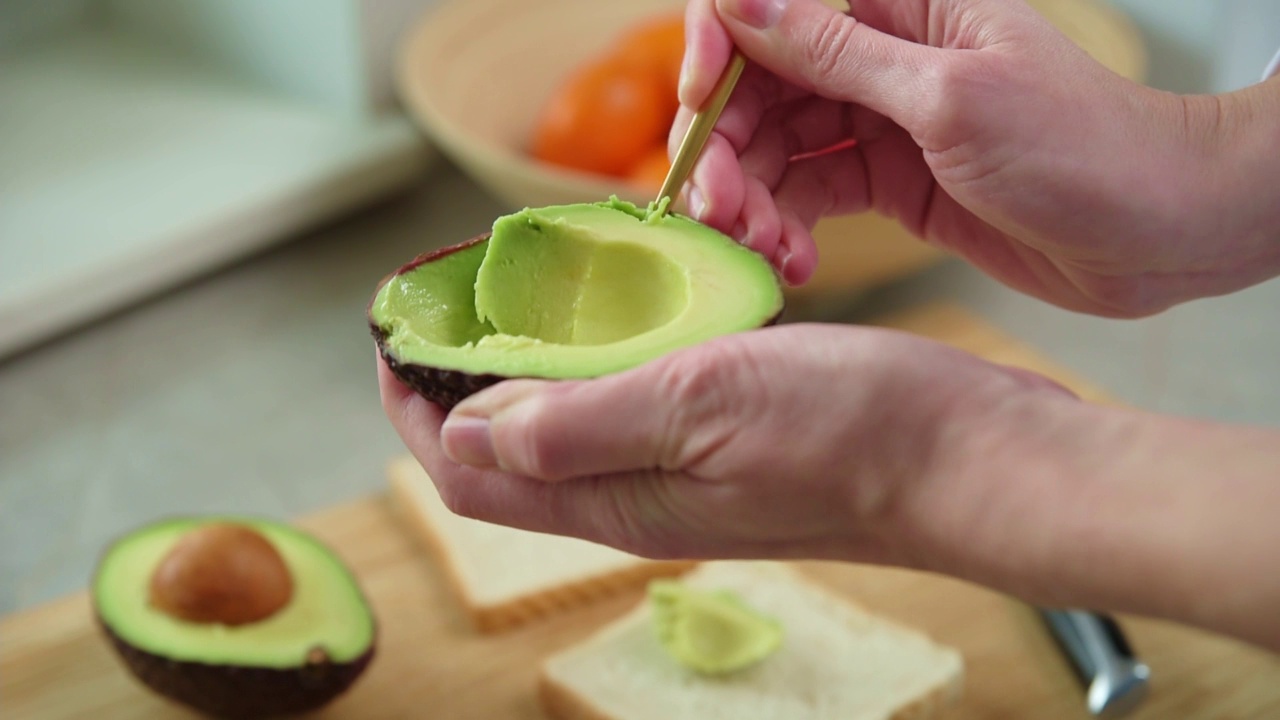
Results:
x,y
510,614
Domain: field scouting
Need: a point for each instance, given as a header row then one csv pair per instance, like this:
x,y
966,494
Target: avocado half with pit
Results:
x,y
566,292
234,617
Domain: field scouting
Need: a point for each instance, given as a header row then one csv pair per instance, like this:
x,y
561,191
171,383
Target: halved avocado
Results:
x,y
234,617
567,291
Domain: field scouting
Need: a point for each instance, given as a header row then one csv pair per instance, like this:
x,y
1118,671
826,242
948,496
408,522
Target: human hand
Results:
x,y
793,441
859,444
986,132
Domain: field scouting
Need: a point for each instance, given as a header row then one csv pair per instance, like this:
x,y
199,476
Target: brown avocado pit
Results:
x,y
222,573
566,292
234,617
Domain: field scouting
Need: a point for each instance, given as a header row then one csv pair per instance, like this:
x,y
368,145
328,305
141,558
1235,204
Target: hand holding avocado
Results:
x,y
980,128
794,441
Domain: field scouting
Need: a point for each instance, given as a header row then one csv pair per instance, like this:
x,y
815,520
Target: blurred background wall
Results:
x,y
1206,45
1196,45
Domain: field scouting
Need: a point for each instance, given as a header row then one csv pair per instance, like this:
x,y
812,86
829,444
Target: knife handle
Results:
x,y
1115,680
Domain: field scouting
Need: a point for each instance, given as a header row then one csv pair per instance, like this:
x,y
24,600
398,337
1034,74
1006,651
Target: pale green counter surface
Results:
x,y
254,390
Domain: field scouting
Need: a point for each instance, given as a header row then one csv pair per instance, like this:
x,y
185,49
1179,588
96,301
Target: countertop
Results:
x,y
253,389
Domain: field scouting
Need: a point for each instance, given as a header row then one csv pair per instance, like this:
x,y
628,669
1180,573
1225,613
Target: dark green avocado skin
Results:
x,y
228,691
445,388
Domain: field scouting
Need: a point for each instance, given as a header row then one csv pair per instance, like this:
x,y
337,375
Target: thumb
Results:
x,y
656,416
811,44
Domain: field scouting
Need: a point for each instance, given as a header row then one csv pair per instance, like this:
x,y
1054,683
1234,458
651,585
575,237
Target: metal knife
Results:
x,y
1115,680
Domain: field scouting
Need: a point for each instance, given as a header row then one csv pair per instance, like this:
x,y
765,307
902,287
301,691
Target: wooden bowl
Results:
x,y
475,75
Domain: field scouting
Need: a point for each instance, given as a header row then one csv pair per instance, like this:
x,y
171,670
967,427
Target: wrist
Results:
x,y
987,509
1071,504
1229,195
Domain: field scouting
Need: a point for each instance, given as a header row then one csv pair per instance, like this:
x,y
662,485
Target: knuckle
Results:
x,y
704,391
826,52
536,442
952,105
945,94
694,385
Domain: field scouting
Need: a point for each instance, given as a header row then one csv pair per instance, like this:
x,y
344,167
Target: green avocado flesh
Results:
x,y
711,632
574,291
326,610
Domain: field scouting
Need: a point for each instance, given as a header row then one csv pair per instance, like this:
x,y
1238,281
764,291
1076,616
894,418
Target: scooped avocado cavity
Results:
x,y
566,291
711,632
559,281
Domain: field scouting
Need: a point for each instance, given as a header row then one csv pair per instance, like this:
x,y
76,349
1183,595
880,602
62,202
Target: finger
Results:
x,y
489,494
901,184
634,512
757,91
706,52
717,188
418,422
886,171
832,184
590,508
528,437
638,512
796,128
404,407
679,126
815,47
661,415
759,226
797,254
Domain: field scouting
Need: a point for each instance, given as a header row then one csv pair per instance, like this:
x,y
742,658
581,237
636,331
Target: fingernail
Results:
x,y
759,14
739,231
783,261
697,203
466,440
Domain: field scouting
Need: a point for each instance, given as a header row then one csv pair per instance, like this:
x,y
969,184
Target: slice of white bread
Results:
x,y
506,577
836,661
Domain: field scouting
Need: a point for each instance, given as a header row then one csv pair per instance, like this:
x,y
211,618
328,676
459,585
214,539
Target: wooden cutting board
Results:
x,y
431,664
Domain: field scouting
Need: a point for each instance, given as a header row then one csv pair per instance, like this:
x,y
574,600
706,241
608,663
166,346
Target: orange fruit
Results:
x,y
659,45
603,119
652,169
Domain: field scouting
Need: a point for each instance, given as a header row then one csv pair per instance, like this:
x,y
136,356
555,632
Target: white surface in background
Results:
x,y
304,49
124,169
